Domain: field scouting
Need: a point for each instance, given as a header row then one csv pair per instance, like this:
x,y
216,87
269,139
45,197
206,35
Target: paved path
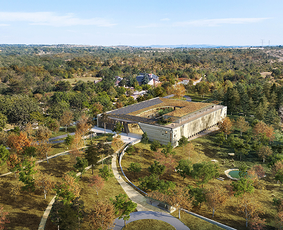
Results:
x,y
166,217
134,195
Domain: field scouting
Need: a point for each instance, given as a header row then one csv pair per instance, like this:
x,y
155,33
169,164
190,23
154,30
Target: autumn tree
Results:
x,y
16,188
250,207
259,170
256,223
242,125
96,182
14,163
17,143
102,215
264,152
66,119
45,182
262,131
169,162
279,220
3,218
226,126
179,90
83,125
117,143
123,207
216,197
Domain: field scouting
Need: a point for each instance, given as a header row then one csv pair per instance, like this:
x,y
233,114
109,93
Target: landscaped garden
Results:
x,y
214,149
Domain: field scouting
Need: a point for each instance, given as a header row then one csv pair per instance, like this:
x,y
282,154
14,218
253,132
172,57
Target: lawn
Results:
x,y
27,210
73,81
149,224
206,149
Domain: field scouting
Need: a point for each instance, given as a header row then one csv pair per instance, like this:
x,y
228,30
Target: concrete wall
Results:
x,y
159,133
188,129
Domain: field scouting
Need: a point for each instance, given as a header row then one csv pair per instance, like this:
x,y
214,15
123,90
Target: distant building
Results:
x,y
118,79
152,79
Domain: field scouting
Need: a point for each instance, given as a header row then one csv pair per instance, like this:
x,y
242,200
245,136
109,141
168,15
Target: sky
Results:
x,y
142,23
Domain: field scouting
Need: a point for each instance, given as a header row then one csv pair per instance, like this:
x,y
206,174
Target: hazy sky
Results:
x,y
147,22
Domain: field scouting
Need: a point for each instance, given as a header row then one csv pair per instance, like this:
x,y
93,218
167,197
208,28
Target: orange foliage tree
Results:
x,y
96,182
102,215
242,125
262,130
226,126
17,143
44,182
3,218
169,162
216,197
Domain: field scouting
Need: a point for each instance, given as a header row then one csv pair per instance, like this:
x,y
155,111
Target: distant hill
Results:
x,y
189,46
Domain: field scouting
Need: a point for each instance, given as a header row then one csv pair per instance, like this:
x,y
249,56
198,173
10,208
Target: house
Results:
x,y
152,79
117,80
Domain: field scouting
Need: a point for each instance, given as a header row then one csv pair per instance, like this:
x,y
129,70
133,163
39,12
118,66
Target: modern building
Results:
x,y
164,119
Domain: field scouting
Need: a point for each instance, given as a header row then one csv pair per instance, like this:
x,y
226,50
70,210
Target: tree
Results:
x,y
179,90
3,121
96,182
68,189
152,183
259,170
226,126
4,155
81,165
69,140
66,119
220,138
184,168
52,124
102,215
68,215
16,189
17,143
105,173
242,125
183,142
261,130
92,155
134,168
26,175
14,163
279,220
3,218
168,149
82,125
43,148
205,171
144,139
44,182
250,207
242,186
197,195
169,162
43,133
256,223
264,152
157,169
155,145
216,197
123,207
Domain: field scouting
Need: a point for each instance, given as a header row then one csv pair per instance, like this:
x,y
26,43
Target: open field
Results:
x,y
149,224
73,81
206,150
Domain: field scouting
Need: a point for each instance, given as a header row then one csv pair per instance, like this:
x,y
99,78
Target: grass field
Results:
x,y
73,81
148,224
206,150
26,212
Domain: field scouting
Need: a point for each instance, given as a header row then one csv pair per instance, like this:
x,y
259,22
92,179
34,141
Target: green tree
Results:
x,y
134,168
155,145
4,155
183,142
105,173
123,207
197,194
220,138
118,128
26,175
184,168
81,164
157,169
144,139
205,171
242,186
92,155
69,140
3,121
